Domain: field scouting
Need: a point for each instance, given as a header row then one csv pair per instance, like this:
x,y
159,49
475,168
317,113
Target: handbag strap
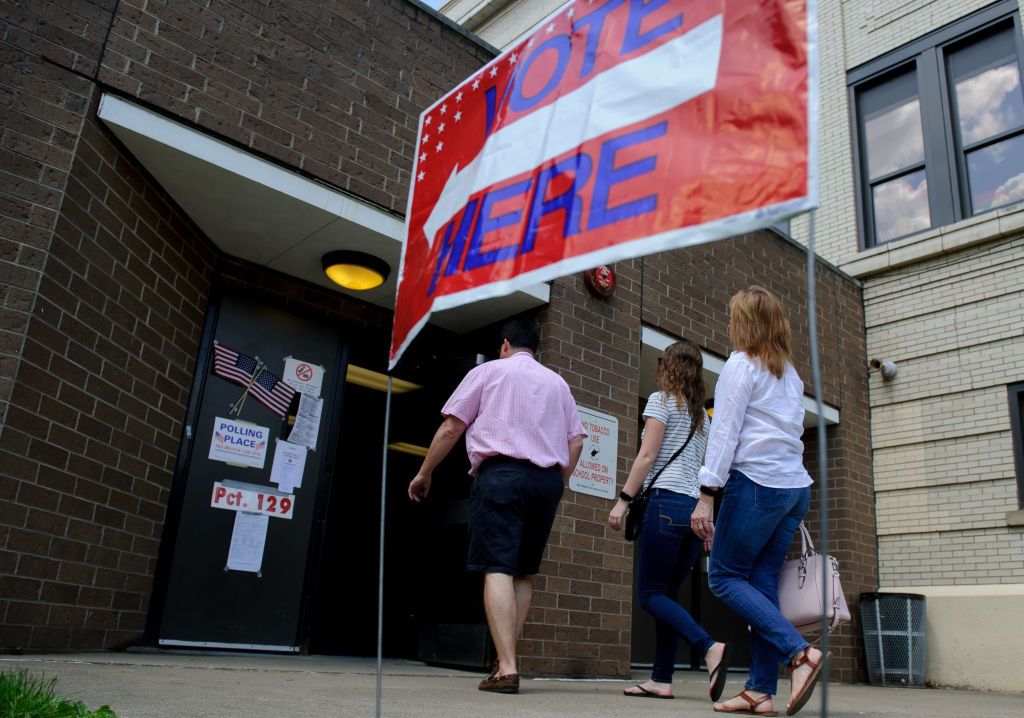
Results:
x,y
805,542
693,428
837,591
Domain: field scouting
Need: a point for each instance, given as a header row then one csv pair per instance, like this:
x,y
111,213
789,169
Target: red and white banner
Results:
x,y
617,129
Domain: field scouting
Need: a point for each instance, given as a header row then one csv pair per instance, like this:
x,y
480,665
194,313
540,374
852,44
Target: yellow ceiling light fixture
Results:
x,y
375,380
355,270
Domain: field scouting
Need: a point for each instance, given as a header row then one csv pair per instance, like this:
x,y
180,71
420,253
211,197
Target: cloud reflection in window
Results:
x,y
901,207
989,103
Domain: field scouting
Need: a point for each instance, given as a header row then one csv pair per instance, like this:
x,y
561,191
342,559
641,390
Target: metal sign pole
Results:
x,y
380,567
812,316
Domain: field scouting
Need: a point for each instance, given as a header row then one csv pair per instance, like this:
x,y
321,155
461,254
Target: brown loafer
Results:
x,y
500,684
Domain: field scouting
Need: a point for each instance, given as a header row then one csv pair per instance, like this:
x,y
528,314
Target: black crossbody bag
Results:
x,y
637,507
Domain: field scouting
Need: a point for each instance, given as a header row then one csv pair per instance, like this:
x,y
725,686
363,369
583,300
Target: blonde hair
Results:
x,y
680,374
758,326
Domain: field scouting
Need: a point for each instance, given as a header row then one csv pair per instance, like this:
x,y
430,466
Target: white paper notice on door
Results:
x,y
289,463
307,422
248,539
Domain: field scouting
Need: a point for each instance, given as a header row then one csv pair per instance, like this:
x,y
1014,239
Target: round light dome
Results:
x,y
355,270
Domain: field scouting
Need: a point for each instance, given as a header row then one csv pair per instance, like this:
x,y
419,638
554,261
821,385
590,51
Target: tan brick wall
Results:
x,y
943,464
943,459
874,27
952,558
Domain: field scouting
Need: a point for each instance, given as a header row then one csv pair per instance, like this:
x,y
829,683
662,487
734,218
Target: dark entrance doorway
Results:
x,y
432,608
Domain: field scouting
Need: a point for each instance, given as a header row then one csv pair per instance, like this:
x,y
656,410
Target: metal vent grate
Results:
x,y
894,638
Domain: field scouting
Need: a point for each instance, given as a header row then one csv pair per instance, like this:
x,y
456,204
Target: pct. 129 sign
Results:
x,y
250,498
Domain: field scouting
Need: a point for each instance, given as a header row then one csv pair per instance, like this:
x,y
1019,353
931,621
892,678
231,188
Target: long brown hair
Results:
x,y
758,326
680,374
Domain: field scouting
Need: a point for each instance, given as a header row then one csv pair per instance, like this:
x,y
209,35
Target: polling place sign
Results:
x,y
616,129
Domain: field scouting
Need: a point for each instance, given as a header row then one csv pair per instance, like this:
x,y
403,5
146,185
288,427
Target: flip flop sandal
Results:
x,y
644,693
719,674
805,693
752,710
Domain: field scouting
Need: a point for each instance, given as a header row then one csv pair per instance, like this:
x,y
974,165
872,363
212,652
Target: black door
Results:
x,y
205,603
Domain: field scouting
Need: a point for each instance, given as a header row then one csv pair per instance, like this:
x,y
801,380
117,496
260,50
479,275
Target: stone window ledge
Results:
x,y
1015,519
986,227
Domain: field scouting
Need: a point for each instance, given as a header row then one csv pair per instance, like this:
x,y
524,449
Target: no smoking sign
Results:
x,y
304,373
304,376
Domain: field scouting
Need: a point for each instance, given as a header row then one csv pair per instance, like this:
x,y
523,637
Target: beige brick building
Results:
x,y
946,304
920,112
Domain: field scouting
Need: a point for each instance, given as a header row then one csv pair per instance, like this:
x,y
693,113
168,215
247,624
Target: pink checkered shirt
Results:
x,y
516,407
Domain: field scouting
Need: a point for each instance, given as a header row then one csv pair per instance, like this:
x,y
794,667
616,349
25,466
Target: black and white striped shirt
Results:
x,y
681,475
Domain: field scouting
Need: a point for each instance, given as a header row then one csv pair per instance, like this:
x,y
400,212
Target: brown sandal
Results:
x,y
753,702
794,706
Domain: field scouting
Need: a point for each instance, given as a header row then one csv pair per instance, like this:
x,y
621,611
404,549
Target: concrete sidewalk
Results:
x,y
173,685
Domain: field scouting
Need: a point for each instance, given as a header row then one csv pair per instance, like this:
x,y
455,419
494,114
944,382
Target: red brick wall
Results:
x,y
103,282
333,89
584,596
95,417
42,108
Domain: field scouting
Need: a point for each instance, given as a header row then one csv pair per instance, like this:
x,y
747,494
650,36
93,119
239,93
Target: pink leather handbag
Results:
x,y
802,598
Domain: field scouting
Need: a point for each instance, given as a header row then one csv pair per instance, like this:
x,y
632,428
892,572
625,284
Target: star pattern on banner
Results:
x,y
467,99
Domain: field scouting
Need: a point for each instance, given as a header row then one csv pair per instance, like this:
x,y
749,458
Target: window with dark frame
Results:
x,y
1015,393
938,127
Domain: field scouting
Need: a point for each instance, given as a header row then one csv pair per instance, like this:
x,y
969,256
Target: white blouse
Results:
x,y
757,426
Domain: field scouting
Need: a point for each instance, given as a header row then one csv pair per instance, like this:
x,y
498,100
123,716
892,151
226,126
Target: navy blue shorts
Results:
x,y
512,508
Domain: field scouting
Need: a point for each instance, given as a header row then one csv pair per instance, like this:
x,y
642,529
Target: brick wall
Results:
x,y
944,466
584,595
332,89
42,105
94,423
103,282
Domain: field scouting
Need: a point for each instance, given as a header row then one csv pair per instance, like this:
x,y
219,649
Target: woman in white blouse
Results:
x,y
755,457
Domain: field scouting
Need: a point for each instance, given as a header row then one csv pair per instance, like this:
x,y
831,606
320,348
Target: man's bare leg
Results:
x,y
500,604
523,587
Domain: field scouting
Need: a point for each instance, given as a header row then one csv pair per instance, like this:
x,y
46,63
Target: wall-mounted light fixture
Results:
x,y
355,270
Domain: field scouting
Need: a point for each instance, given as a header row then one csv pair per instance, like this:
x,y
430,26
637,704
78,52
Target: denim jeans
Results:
x,y
665,555
754,529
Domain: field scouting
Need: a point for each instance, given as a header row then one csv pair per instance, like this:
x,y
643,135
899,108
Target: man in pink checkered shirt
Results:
x,y
524,437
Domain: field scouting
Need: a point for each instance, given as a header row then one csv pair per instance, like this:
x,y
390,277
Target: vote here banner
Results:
x,y
616,129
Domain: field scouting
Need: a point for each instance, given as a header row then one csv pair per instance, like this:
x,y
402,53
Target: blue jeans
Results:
x,y
665,555
753,531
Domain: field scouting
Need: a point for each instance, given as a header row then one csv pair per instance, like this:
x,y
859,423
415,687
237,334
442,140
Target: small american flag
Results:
x,y
272,392
267,388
